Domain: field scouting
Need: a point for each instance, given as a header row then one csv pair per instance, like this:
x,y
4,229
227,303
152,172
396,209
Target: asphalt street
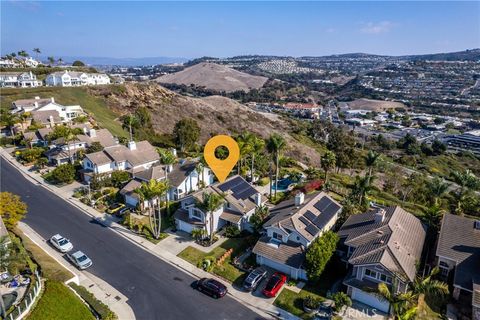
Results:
x,y
155,289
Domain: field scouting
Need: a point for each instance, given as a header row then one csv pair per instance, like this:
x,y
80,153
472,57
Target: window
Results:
x,y
277,236
196,214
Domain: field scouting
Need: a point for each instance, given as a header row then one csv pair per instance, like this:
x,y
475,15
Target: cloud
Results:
x,y
26,5
377,28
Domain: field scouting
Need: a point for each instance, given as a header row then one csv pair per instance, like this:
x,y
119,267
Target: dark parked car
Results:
x,y
254,278
274,284
211,287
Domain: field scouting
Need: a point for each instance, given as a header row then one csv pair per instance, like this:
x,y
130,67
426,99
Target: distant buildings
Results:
x,y
74,79
19,80
468,141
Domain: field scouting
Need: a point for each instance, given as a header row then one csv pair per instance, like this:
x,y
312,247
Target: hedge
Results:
x,y
100,308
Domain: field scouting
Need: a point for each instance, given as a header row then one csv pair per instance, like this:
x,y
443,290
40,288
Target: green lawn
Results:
x,y
293,302
51,269
91,103
226,270
59,303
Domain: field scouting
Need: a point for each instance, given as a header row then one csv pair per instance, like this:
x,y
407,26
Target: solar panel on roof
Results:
x,y
310,215
322,204
230,184
312,229
332,209
304,220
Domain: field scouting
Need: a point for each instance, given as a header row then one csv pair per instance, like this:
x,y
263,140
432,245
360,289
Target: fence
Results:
x,y
23,308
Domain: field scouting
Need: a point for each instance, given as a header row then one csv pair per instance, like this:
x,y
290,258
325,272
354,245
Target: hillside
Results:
x,y
214,114
214,76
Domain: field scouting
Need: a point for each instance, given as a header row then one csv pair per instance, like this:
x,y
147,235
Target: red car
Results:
x,y
274,284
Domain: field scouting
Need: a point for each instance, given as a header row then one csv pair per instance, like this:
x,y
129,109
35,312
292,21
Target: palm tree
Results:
x,y
467,182
257,145
167,158
69,136
328,161
201,165
361,188
37,52
9,120
400,303
210,203
151,192
244,142
429,287
275,144
51,60
436,188
60,61
129,122
371,161
23,53
433,217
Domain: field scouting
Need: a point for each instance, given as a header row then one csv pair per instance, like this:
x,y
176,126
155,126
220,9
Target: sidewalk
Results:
x,y
258,304
115,300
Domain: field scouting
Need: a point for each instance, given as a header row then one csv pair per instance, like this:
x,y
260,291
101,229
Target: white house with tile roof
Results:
x,y
293,226
240,201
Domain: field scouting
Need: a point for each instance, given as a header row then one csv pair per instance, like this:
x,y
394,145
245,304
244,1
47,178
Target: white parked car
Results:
x,y
80,260
61,243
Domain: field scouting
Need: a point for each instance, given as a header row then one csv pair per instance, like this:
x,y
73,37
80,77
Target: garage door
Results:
x,y
369,299
291,272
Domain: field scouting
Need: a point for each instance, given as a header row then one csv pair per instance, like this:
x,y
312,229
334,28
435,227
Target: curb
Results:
x,y
279,312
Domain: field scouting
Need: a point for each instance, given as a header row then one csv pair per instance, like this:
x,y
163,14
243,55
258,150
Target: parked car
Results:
x,y
80,260
211,287
274,284
254,278
61,243
115,207
124,211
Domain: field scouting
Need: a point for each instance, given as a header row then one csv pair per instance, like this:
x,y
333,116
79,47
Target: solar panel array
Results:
x,y
240,188
314,223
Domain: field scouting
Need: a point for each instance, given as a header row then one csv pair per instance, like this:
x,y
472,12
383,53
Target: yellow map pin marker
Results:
x,y
220,167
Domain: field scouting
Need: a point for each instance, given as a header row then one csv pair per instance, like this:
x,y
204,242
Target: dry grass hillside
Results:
x,y
214,115
374,105
216,77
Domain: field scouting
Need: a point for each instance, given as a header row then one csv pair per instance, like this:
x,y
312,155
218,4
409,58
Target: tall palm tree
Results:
x,y
9,120
37,52
51,60
129,122
275,144
200,168
167,158
436,188
433,217
210,203
257,145
371,160
244,142
60,61
152,192
328,161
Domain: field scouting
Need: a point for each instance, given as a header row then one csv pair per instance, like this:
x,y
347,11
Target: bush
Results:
x,y
30,155
232,232
319,253
312,303
312,186
100,308
64,173
341,299
118,178
263,181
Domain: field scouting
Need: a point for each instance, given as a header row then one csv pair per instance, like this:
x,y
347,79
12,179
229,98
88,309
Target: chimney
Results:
x,y
53,99
132,145
258,199
85,131
52,123
92,133
174,151
169,168
379,215
299,199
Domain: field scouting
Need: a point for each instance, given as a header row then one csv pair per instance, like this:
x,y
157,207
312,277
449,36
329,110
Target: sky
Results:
x,y
124,29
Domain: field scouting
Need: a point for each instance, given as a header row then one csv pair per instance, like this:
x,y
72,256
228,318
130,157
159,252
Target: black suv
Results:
x,y
211,287
254,278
